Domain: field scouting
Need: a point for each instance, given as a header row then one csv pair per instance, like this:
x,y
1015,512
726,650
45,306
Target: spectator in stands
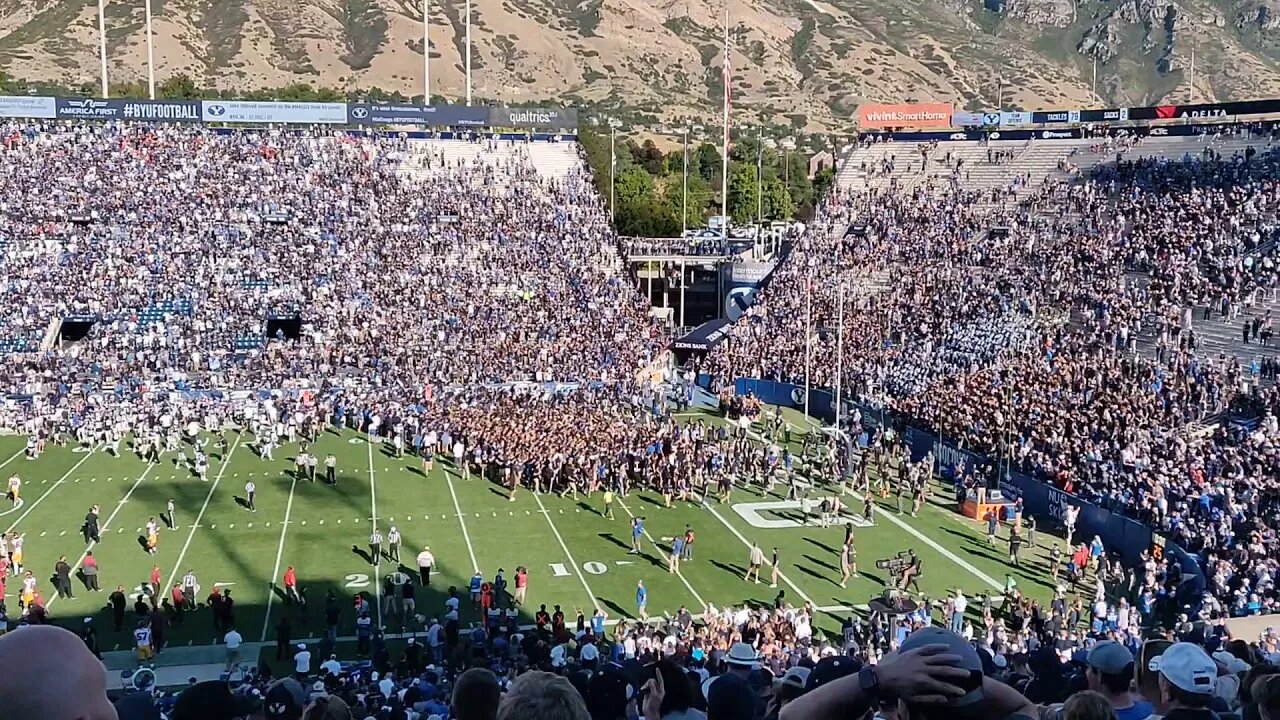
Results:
x,y
538,695
475,695
49,674
1110,674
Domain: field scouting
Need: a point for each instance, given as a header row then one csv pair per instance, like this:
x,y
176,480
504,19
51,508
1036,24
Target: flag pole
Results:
x,y
102,44
468,44
426,52
724,159
151,57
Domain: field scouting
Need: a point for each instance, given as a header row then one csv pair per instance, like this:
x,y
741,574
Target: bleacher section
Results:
x,y
551,160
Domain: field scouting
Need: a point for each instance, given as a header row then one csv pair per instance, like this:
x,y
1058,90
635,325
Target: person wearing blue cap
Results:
x,y
1109,671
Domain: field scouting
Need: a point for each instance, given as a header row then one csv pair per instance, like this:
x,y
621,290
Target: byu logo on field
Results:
x,y
359,113
217,110
754,515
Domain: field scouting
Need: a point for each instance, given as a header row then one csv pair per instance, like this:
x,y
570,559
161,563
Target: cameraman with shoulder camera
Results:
x,y
935,674
911,573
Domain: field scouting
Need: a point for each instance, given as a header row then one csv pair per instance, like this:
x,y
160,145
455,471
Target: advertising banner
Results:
x,y
534,118
1111,115
919,115
966,119
20,106
248,111
123,109
1014,117
1055,116
1205,110
436,115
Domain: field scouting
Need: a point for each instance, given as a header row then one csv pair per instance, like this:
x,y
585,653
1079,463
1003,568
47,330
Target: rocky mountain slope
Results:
x,y
810,62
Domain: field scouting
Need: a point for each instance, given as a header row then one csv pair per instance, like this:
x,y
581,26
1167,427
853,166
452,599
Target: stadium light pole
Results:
x,y
684,200
102,44
151,56
808,333
839,347
468,44
759,178
426,52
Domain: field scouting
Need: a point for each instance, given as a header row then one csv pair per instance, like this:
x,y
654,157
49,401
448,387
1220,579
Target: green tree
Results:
x,y
777,200
179,86
699,195
648,156
634,186
708,163
744,192
821,182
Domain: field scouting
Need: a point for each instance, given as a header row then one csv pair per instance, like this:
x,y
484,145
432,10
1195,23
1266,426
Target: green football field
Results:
x,y
575,557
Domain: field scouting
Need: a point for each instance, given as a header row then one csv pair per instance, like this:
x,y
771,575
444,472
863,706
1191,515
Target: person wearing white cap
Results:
x,y
302,662
1187,680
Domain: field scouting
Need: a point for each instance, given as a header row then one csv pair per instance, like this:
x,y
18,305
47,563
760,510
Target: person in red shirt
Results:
x,y
486,597
89,568
522,584
291,585
155,581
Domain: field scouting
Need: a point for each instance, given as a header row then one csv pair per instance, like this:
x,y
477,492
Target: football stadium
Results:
x,y
368,396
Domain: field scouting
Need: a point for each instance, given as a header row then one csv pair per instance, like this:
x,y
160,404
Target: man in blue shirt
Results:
x,y
637,530
597,623
642,600
1109,671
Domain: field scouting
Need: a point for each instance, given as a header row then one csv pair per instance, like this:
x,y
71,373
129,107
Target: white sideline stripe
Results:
x,y
119,506
803,595
702,603
373,518
22,450
462,521
577,569
964,564
177,566
284,528
44,495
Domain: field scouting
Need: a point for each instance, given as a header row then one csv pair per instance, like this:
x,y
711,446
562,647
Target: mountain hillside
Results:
x,y
810,62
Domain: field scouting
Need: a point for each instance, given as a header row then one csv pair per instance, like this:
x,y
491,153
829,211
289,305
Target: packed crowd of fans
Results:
x,y
191,252
1061,335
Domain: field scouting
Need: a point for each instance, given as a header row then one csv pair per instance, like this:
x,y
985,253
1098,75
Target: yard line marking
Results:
x,y
961,562
52,487
119,506
964,564
182,554
373,510
701,602
284,527
803,595
461,521
577,568
20,452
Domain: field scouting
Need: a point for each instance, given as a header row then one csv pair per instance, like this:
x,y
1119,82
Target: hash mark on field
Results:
x,y
250,524
64,532
231,526
304,522
43,534
212,527
339,521
76,480
93,479
119,530
321,522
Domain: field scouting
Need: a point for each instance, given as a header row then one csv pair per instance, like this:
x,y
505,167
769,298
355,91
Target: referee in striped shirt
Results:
x,y
375,546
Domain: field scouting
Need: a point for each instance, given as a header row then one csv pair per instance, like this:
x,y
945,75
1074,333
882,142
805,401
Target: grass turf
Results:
x,y
576,557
